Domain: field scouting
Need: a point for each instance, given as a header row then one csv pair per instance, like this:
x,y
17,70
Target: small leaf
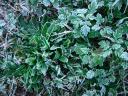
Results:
x,y
93,6
2,23
1,32
116,1
90,74
63,59
96,27
50,29
44,69
81,11
99,19
54,47
124,56
30,60
107,53
46,2
116,46
104,44
90,16
33,2
45,42
84,50
124,65
45,28
117,35
85,29
97,60
86,59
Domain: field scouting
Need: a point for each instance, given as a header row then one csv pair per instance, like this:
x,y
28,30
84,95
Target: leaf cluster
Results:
x,y
69,47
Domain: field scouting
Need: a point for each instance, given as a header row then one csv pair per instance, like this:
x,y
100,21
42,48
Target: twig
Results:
x,y
125,8
62,33
109,38
12,7
68,27
123,93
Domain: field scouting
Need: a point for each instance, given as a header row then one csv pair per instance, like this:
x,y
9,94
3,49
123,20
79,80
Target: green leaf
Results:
x,y
44,68
81,49
81,11
86,59
96,27
33,2
104,45
100,73
97,60
94,34
116,1
106,31
52,1
30,60
118,52
45,42
54,47
93,6
50,29
47,29
124,65
117,35
107,53
63,59
84,50
44,28
116,46
112,78
57,55
99,19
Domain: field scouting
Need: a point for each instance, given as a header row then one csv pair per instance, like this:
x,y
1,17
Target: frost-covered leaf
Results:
x,y
84,50
104,44
106,31
86,59
117,35
90,74
81,11
85,29
96,27
44,68
30,60
54,47
1,32
124,65
90,16
2,23
46,2
116,46
124,56
107,53
99,19
93,6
